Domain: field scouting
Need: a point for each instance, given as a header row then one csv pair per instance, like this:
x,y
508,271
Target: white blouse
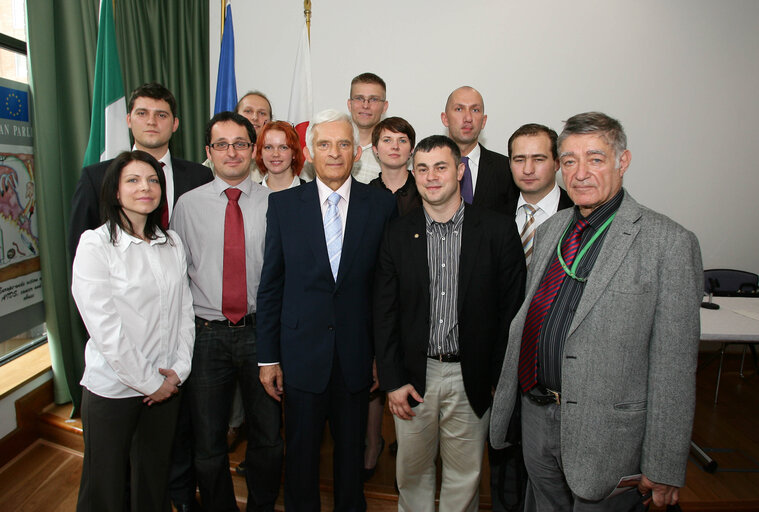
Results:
x,y
135,300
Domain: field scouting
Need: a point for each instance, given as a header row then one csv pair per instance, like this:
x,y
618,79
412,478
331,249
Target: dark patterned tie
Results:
x,y
165,207
234,290
467,190
541,303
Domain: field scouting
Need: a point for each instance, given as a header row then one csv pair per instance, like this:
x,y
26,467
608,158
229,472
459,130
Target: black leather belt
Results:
x,y
446,358
543,396
244,321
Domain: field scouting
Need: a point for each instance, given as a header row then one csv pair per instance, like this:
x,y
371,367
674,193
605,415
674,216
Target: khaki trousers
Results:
x,y
445,420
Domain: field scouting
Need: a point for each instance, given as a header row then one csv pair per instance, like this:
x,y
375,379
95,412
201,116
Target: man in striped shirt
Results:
x,y
450,277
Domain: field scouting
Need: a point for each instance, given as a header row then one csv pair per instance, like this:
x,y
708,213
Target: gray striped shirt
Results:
x,y
443,252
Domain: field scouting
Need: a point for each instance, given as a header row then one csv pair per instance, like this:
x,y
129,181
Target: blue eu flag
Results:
x,y
14,104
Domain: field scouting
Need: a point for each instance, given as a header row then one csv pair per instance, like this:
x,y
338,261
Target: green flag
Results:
x,y
109,133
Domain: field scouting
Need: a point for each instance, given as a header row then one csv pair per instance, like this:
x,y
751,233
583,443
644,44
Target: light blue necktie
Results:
x,y
333,232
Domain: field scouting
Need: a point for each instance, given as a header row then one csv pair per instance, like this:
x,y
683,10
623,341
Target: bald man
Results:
x,y
487,178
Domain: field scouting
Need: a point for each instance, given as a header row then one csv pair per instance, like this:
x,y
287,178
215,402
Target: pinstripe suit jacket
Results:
x,y
629,363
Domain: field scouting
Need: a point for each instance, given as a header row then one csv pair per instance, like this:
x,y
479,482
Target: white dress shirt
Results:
x,y
342,206
474,165
295,182
543,210
367,168
136,304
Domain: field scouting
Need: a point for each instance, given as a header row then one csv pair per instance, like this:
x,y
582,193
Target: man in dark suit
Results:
x,y
449,279
487,181
534,160
152,119
534,163
314,312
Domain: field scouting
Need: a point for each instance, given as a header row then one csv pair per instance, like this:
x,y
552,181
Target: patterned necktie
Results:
x,y
541,303
165,207
234,291
467,190
333,232
528,232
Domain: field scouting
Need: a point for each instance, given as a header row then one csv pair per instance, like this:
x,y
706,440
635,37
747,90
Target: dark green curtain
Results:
x,y
62,39
159,40
169,45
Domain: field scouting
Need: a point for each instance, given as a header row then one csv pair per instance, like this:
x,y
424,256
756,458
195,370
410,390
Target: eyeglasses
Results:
x,y
373,100
224,146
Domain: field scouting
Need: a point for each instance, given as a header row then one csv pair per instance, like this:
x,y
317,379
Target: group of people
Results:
x,y
463,289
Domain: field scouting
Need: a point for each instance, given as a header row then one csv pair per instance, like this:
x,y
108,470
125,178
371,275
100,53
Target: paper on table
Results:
x,y
625,483
750,314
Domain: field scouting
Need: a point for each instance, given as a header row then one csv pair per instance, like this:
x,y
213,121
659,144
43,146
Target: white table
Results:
x,y
731,324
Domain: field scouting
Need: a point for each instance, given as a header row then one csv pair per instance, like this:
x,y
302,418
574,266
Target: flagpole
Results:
x,y
307,13
223,18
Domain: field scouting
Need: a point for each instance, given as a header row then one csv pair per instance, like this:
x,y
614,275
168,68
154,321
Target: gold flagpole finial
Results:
x,y
307,13
223,18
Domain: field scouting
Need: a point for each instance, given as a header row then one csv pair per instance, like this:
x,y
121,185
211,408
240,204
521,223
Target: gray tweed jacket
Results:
x,y
628,374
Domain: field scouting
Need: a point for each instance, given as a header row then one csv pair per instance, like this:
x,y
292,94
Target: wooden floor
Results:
x,y
46,475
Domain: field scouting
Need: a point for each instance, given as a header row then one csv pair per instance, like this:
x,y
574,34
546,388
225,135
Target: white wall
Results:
x,y
682,76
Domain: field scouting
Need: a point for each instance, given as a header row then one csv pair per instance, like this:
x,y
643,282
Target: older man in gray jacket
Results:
x,y
602,354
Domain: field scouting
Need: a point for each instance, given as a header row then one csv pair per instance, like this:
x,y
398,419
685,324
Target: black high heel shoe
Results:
x,y
368,473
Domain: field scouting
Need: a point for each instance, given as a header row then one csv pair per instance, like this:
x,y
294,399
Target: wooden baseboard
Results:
x,y
28,407
64,432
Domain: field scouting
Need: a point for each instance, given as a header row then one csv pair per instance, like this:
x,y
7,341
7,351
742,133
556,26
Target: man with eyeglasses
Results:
x,y
256,107
223,224
367,104
152,119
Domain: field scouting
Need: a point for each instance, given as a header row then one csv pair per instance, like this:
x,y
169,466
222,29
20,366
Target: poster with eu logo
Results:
x,y
20,282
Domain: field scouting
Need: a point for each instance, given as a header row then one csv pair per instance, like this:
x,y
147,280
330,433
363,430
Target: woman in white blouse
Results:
x,y
130,285
278,156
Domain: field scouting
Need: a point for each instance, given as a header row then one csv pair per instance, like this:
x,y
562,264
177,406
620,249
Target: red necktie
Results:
x,y
165,207
541,303
234,294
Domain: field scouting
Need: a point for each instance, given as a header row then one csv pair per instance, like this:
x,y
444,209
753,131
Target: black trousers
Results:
x,y
124,439
305,415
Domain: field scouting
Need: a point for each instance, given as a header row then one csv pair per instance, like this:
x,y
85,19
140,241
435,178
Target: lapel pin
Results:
x,y
416,235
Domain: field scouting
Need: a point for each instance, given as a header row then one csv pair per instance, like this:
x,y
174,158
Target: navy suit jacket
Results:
x,y
85,205
303,315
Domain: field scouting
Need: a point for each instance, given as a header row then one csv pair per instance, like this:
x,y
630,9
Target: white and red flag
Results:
x,y
301,106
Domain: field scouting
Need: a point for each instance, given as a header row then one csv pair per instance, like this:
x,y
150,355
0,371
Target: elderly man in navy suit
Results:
x,y
314,311
602,353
